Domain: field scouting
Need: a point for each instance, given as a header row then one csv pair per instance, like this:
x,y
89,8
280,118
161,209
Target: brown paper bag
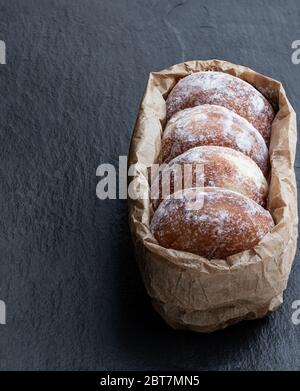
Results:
x,y
189,291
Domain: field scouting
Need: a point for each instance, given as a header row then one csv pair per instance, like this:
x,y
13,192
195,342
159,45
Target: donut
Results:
x,y
213,125
210,166
222,89
213,223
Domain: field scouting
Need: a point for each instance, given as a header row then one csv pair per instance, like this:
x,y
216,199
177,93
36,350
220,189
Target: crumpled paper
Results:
x,y
189,291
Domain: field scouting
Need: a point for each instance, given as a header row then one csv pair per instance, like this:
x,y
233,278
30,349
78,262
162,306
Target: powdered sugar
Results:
x,y
227,223
212,166
246,166
244,143
213,125
224,90
257,103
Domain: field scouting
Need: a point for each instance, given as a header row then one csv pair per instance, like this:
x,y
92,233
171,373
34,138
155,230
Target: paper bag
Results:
x,y
189,291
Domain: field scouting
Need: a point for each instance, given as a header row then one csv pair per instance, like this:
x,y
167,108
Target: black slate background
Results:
x,y
70,91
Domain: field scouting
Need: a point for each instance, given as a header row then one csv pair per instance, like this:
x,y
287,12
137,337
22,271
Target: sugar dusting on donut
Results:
x,y
244,165
213,125
227,223
221,167
225,90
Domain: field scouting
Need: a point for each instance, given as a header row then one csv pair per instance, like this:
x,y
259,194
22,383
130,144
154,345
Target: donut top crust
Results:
x,y
211,166
225,90
224,224
213,125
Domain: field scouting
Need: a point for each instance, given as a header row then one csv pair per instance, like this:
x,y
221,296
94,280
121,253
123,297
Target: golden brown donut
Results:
x,y
222,89
213,125
226,224
217,167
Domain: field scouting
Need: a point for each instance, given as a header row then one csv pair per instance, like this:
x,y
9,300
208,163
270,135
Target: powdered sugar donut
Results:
x,y
226,224
213,125
214,167
225,90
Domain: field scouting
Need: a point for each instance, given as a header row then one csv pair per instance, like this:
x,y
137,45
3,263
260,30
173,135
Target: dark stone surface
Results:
x,y
70,93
